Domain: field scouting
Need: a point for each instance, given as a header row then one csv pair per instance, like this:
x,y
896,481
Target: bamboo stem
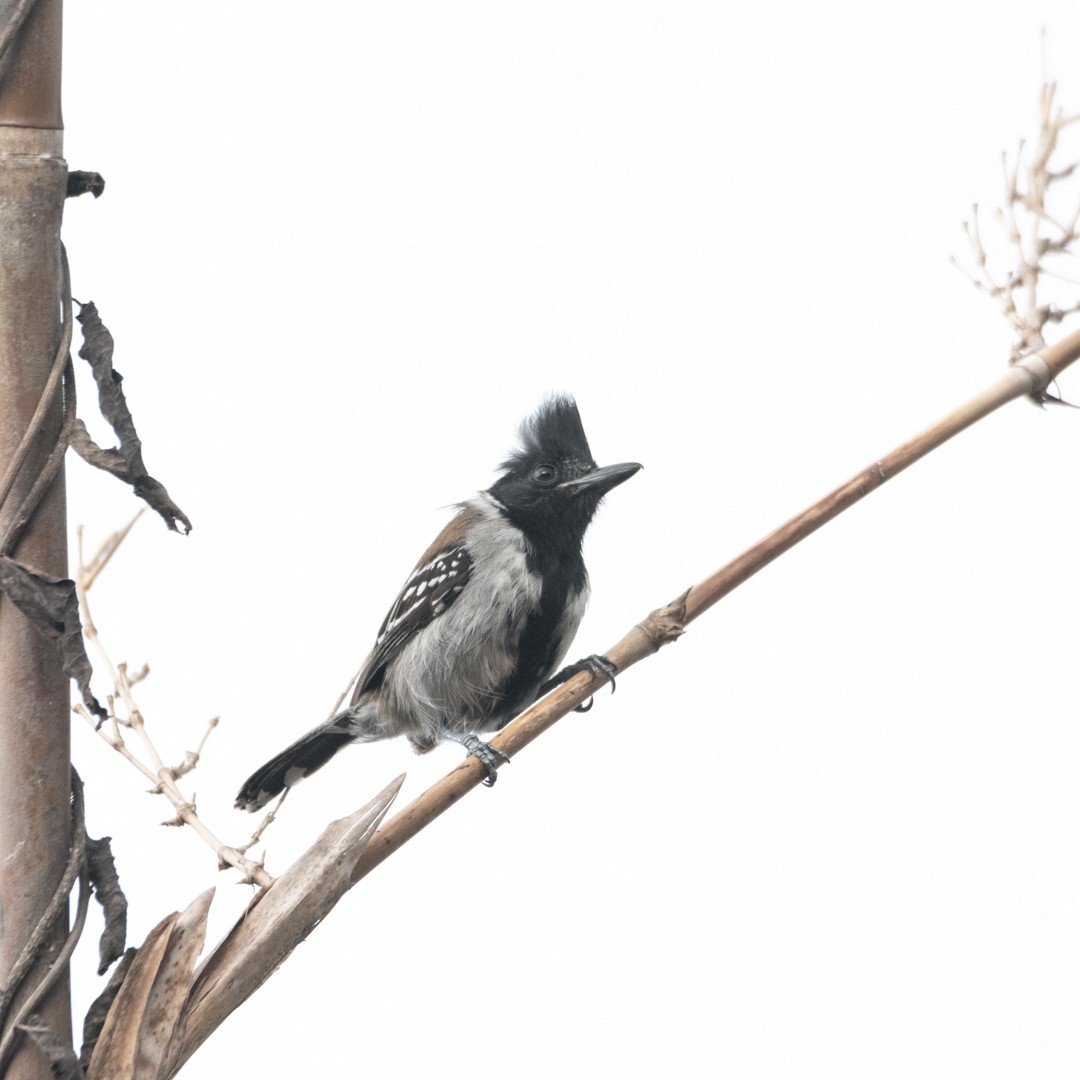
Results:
x,y
1029,376
35,772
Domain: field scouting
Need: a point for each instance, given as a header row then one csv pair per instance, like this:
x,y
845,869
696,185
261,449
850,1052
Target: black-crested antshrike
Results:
x,y
479,629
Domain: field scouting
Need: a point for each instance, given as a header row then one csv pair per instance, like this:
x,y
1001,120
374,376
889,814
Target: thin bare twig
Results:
x,y
89,572
160,775
1033,233
191,757
344,694
268,819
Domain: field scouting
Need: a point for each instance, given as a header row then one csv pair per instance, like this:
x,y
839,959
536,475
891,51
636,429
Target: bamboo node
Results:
x,y
1039,371
665,624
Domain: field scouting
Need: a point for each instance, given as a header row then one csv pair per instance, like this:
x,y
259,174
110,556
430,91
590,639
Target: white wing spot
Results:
x,y
294,775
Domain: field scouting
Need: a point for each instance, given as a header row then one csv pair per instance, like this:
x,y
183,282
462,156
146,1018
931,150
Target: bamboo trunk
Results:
x,y
35,784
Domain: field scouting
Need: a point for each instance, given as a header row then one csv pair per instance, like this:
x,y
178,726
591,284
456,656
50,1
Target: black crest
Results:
x,y
554,432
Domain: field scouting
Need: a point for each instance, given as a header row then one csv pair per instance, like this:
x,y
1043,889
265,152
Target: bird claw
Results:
x,y
594,664
605,666
491,757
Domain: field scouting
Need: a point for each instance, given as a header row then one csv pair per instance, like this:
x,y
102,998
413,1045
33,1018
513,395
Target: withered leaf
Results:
x,y
125,461
110,461
110,896
52,605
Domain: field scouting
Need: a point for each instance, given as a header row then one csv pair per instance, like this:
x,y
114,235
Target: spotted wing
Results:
x,y
431,589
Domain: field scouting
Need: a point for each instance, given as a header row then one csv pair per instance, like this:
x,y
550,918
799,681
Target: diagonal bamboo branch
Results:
x,y
1028,377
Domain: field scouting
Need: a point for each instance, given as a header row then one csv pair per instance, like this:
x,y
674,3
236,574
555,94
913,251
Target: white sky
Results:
x,y
344,249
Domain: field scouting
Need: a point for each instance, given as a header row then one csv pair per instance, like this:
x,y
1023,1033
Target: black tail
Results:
x,y
289,767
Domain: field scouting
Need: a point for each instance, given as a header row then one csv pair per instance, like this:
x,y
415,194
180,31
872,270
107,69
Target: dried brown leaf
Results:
x,y
52,605
95,1015
110,896
117,1046
163,1019
97,350
141,1025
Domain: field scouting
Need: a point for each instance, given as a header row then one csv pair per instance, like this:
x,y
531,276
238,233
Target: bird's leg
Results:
x,y
595,664
490,756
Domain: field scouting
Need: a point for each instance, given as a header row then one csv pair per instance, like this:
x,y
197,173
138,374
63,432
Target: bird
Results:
x,y
479,629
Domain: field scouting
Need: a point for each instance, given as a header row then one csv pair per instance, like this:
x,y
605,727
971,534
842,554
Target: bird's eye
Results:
x,y
545,474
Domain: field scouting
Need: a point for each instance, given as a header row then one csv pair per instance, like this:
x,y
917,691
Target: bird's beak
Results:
x,y
601,481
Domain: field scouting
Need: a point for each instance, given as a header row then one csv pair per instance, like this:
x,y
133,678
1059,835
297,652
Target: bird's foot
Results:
x,y
595,664
491,757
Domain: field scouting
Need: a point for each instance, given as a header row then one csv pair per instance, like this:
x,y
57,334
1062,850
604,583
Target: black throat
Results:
x,y
556,558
